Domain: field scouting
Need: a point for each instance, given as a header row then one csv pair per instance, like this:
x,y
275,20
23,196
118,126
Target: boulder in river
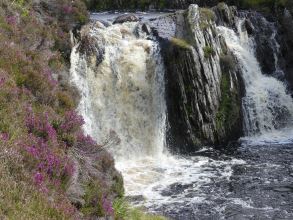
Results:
x,y
126,18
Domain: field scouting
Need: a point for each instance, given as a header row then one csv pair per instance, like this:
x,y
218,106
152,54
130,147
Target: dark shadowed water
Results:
x,y
259,188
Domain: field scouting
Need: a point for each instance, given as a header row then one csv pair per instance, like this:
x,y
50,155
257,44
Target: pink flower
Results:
x,y
4,136
72,121
12,20
2,81
33,151
85,139
107,206
67,9
38,178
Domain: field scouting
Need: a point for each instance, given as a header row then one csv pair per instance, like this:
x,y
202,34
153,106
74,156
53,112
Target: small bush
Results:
x,y
207,14
208,52
65,101
94,201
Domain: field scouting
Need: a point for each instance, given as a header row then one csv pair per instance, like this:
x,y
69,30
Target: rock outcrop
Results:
x,y
204,88
286,36
125,18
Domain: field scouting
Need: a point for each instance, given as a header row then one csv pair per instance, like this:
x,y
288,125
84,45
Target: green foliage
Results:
x,y
121,208
118,186
123,211
207,14
208,51
28,66
65,101
262,5
137,214
229,108
180,43
19,198
93,200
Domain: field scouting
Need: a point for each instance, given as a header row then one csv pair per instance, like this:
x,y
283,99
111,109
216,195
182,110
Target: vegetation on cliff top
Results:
x,y
263,5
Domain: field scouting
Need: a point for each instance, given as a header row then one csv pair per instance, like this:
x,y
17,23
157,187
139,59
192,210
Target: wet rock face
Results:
x,y
92,46
195,77
125,18
264,33
286,32
225,15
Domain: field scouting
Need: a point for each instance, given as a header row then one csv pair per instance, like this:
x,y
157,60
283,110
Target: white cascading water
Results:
x,y
126,94
268,109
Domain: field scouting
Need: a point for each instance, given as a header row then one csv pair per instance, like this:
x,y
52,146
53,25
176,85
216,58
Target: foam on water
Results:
x,y
153,178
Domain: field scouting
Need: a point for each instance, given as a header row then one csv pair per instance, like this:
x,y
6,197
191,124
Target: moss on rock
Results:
x,y
181,43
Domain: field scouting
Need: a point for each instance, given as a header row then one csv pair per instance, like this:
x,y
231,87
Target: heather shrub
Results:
x,y
96,204
19,197
65,101
42,144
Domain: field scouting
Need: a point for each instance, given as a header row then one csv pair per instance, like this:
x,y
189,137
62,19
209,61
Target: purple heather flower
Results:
x,y
4,136
2,81
38,178
67,9
107,206
12,20
72,121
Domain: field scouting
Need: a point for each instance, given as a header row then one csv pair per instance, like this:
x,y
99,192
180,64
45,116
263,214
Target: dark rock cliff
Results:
x,y
204,89
286,37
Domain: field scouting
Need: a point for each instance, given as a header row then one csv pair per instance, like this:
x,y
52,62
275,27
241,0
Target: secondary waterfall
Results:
x,y
268,109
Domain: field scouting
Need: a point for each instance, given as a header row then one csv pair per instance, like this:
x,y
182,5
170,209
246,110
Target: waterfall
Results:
x,y
125,93
268,109
122,89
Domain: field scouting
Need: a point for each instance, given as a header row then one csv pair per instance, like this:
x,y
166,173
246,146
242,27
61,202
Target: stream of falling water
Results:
x,y
268,109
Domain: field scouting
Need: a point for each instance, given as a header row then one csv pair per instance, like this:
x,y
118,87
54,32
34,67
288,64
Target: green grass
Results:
x,y
124,211
229,108
207,14
206,17
180,43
